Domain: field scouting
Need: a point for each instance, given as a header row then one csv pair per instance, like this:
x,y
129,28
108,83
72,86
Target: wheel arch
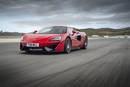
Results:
x,y
70,39
66,43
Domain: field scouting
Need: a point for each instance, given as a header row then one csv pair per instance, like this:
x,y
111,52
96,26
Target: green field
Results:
x,y
10,34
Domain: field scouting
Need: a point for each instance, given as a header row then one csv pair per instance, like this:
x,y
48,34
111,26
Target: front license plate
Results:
x,y
32,44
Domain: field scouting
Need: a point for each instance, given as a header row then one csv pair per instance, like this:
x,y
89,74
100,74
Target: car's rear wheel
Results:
x,y
67,47
85,43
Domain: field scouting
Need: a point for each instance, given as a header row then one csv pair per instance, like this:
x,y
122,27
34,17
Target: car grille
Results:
x,y
52,47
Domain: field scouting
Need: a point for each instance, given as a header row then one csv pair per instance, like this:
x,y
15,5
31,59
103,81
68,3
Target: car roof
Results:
x,y
63,26
59,26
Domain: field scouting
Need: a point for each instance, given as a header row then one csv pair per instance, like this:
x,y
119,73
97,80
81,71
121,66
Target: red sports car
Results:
x,y
55,38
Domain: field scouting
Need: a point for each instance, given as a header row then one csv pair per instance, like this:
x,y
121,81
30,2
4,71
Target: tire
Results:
x,y
27,50
21,48
67,46
85,43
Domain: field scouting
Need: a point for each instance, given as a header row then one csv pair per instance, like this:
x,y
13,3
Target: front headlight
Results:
x,y
22,38
57,38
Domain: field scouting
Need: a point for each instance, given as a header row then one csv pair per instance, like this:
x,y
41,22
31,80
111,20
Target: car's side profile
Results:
x,y
55,38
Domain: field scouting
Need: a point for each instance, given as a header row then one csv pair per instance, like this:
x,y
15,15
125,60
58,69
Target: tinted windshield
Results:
x,y
53,30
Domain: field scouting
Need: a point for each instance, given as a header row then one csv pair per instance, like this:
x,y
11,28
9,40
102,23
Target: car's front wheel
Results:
x,y
27,50
67,47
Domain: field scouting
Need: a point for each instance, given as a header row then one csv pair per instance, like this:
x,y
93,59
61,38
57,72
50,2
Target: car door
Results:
x,y
74,37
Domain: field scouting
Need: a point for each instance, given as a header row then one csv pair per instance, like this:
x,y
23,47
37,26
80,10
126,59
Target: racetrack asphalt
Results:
x,y
106,63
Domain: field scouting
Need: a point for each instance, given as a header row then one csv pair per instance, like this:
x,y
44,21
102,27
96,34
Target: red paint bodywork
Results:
x,y
43,39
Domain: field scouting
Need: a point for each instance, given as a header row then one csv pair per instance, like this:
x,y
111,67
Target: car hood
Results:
x,y
39,37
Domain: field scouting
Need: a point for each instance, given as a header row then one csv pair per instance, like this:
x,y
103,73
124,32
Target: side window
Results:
x,y
70,30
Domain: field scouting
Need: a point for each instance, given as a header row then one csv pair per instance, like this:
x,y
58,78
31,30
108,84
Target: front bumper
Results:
x,y
52,46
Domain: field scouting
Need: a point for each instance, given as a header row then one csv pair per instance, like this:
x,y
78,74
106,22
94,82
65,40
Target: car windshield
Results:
x,y
53,30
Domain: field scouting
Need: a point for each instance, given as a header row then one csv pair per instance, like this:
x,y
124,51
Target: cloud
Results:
x,y
83,13
42,7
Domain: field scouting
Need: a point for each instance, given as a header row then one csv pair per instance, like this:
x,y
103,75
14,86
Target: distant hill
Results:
x,y
106,31
89,31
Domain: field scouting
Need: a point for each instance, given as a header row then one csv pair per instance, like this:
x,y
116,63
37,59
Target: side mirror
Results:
x,y
35,31
74,31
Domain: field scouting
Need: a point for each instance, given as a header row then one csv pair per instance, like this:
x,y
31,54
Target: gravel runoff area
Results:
x,y
5,40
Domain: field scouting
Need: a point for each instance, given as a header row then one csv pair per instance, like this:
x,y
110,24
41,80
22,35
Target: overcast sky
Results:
x,y
29,15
